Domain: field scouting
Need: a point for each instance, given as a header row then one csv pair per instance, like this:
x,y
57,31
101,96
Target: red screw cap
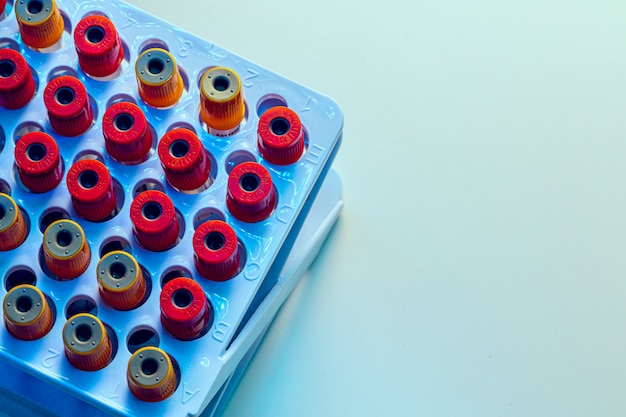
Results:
x,y
3,4
184,160
68,106
17,86
216,250
251,196
185,311
40,21
280,136
126,134
91,189
154,221
38,162
98,45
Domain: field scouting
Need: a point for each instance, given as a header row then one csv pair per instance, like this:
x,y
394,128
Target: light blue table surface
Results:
x,y
478,268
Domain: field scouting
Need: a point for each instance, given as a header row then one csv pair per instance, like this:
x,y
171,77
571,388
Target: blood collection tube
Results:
x,y
155,224
87,342
127,136
159,81
91,188
150,374
39,164
185,310
183,158
216,250
98,45
66,250
280,136
222,105
13,226
40,22
27,314
250,196
69,109
17,85
120,280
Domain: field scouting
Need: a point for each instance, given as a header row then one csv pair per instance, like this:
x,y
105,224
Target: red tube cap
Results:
x,y
280,136
127,136
38,162
251,196
216,250
185,311
98,45
69,109
155,224
184,160
17,86
91,189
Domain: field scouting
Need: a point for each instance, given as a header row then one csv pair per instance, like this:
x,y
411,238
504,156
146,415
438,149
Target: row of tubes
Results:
x,y
186,314
67,253
185,310
88,344
250,196
159,82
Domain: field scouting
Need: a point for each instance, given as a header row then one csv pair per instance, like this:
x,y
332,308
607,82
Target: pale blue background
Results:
x,y
478,268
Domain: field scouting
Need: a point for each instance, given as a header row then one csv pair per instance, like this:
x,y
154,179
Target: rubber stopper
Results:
x,y
155,224
150,374
183,158
98,45
216,250
280,136
120,280
251,196
17,85
27,314
222,105
66,250
69,109
158,78
87,342
185,311
13,227
38,162
40,22
91,188
127,136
